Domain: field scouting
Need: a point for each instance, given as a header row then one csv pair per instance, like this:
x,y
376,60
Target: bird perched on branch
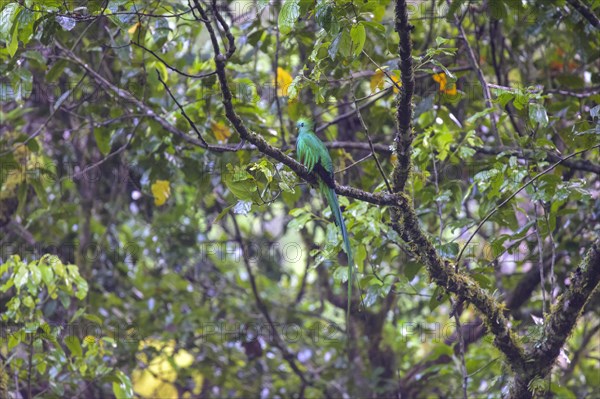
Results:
x,y
313,154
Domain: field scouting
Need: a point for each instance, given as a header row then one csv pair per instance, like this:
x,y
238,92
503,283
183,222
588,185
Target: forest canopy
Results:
x,y
163,236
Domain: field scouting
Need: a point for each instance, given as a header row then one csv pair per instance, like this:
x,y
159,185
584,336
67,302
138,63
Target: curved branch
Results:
x,y
465,288
275,153
560,323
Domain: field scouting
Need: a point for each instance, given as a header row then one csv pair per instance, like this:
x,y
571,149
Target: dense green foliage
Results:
x,y
139,253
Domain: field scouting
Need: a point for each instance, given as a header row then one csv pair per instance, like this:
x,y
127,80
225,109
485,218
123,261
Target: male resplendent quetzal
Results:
x,y
313,154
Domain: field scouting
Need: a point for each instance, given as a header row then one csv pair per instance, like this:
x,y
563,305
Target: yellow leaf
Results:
x,y
161,190
377,80
444,86
284,80
397,83
156,378
134,28
89,339
221,131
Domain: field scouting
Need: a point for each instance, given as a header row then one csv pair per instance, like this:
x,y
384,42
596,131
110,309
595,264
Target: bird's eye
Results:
x,y
302,124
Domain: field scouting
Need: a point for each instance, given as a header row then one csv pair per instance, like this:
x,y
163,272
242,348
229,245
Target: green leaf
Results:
x,y
371,296
448,250
454,7
21,81
437,298
40,191
82,288
341,275
504,98
345,46
324,15
222,214
439,41
243,190
47,273
377,27
36,274
56,71
334,46
103,140
261,4
538,115
74,346
6,16
14,43
497,9
521,101
360,255
480,114
358,35
289,14
122,389
21,276
342,44
28,301
62,99
411,269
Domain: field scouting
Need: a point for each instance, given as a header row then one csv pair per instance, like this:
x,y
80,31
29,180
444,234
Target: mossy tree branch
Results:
x,y
404,111
560,323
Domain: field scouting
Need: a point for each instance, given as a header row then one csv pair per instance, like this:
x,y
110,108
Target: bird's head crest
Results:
x,y
304,124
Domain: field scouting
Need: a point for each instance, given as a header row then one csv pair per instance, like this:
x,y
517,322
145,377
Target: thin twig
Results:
x,y
230,39
585,93
540,260
351,113
366,129
553,255
475,65
353,164
172,68
276,71
493,211
277,341
382,70
185,115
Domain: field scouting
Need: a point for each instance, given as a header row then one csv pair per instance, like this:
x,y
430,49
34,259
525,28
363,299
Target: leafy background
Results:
x,y
137,262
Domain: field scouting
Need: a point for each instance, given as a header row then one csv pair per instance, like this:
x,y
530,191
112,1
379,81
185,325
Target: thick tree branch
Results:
x,y
404,111
442,274
275,153
586,12
466,289
560,323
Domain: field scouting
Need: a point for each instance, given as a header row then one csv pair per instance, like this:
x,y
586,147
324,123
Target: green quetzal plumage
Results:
x,y
313,154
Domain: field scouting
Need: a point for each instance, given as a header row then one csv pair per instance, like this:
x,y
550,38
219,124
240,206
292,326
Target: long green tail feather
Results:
x,y
332,200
